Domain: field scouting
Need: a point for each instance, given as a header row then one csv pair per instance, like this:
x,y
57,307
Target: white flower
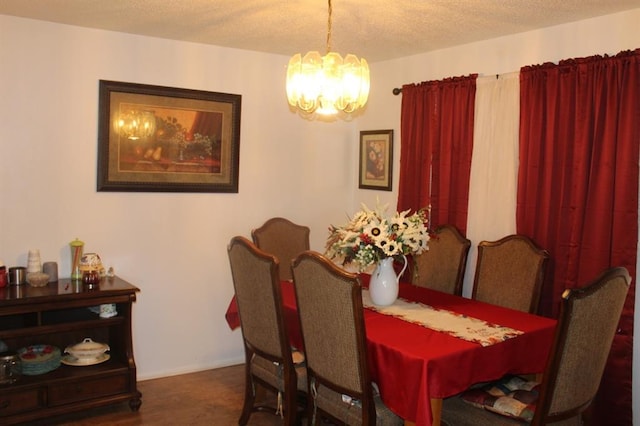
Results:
x,y
370,236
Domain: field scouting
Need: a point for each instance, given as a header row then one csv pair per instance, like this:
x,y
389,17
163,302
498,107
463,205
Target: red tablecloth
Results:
x,y
413,364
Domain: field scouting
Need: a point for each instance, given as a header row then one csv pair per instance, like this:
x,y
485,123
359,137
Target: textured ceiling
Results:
x,y
374,29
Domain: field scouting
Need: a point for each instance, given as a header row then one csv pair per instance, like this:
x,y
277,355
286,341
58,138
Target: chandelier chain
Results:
x,y
329,28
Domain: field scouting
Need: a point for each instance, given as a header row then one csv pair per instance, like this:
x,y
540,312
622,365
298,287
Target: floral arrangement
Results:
x,y
191,145
371,236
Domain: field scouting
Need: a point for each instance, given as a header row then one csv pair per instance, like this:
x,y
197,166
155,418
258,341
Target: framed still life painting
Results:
x,y
376,159
162,139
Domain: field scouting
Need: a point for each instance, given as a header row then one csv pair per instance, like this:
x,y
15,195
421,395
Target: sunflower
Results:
x,y
370,236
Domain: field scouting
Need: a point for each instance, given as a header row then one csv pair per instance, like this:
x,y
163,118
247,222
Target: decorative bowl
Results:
x,y
87,349
37,279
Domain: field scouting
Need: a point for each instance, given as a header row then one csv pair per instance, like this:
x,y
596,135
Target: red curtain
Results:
x,y
436,146
578,190
207,124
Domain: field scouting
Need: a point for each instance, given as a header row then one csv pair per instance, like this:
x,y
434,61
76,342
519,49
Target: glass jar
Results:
x,y
91,278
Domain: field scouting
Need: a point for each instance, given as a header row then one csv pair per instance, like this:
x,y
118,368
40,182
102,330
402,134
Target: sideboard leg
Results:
x,y
135,403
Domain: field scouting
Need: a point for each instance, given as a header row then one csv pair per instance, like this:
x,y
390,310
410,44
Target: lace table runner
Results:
x,y
452,323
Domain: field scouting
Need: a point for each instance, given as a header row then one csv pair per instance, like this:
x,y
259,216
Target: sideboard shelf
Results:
x,y
63,314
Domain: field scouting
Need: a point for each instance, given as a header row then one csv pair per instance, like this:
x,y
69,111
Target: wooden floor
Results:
x,y
212,397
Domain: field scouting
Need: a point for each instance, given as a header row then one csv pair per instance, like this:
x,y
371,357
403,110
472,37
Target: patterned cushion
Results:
x,y
511,396
272,373
349,411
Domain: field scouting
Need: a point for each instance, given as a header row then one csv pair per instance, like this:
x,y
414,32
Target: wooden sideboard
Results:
x,y
63,314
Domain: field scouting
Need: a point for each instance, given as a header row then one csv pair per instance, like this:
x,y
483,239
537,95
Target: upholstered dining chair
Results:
x,y
588,321
270,361
329,303
510,272
442,266
283,239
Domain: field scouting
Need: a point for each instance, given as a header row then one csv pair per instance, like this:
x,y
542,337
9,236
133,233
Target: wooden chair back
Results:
x,y
588,322
510,273
283,239
442,267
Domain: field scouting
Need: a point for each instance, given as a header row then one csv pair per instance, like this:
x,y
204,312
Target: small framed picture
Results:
x,y
376,159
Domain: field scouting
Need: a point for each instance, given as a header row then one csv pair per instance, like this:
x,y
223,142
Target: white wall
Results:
x,y
173,245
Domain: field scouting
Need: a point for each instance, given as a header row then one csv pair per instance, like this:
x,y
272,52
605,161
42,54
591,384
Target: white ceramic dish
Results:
x,y
71,360
87,350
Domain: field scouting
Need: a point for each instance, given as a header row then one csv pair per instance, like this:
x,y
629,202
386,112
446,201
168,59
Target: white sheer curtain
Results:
x,y
494,167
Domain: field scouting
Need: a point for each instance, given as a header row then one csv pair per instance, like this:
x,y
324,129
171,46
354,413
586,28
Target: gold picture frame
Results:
x,y
376,159
163,139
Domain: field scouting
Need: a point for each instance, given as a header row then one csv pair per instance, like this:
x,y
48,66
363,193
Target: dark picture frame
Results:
x,y
164,139
376,159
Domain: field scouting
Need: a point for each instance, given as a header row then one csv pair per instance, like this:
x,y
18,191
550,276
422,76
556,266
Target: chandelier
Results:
x,y
135,124
327,84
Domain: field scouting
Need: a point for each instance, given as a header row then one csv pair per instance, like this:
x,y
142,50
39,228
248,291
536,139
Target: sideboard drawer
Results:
x,y
88,389
18,402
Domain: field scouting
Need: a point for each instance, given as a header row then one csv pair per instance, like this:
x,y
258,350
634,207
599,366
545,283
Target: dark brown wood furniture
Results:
x,y
269,359
59,314
329,302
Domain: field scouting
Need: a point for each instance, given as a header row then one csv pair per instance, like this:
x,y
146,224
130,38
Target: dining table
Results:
x,y
430,345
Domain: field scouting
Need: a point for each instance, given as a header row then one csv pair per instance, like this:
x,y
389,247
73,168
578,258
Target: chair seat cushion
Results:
x,y
349,411
272,373
511,396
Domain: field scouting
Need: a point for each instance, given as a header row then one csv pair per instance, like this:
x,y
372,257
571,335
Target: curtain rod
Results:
x,y
397,90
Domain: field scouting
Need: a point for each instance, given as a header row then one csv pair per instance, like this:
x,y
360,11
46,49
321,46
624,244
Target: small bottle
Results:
x,y
77,247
